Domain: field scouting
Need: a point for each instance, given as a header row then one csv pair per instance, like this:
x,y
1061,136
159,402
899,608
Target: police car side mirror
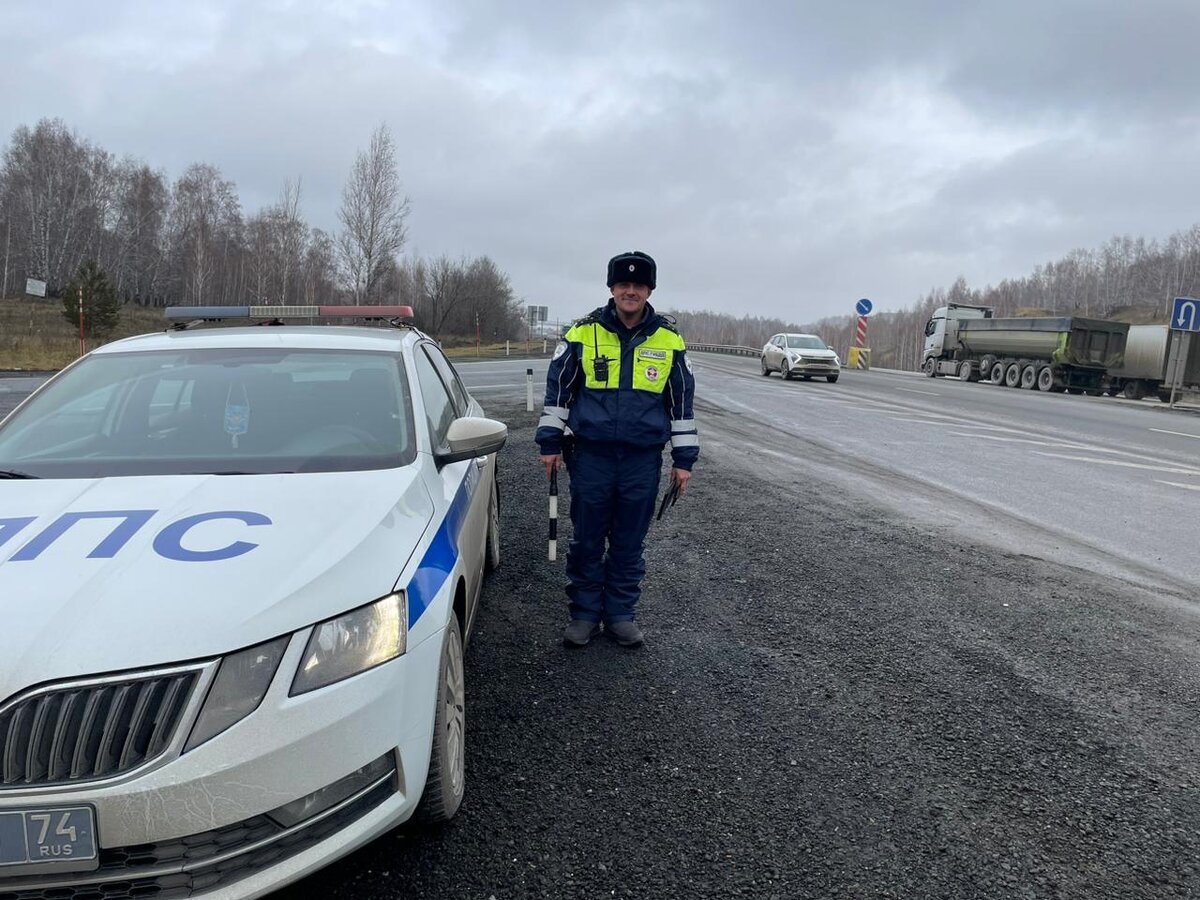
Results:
x,y
470,437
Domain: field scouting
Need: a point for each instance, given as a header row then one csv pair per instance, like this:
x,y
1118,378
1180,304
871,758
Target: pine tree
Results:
x,y
101,309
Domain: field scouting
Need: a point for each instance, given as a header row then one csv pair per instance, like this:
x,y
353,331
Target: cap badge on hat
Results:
x,y
632,267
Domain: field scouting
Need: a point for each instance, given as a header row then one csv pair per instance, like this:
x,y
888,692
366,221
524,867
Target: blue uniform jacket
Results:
x,y
636,410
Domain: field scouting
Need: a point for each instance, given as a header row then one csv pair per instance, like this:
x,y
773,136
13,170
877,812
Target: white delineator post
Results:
x,y
82,349
529,390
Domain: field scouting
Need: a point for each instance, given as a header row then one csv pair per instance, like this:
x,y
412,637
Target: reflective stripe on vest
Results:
x,y
652,358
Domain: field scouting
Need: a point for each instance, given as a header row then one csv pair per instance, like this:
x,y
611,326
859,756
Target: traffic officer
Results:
x,y
619,388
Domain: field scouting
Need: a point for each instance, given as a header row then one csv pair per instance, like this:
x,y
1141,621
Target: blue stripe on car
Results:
x,y
439,560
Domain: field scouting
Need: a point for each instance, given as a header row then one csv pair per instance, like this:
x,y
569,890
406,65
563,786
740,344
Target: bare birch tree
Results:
x,y
373,215
319,270
206,230
47,174
140,232
291,235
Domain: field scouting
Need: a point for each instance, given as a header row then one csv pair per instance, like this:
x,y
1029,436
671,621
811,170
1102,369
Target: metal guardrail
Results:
x,y
721,348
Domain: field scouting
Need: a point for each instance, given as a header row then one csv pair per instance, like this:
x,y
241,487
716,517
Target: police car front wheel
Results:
x,y
444,786
492,558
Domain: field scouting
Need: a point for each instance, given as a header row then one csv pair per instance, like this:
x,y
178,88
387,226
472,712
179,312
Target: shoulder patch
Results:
x,y
560,349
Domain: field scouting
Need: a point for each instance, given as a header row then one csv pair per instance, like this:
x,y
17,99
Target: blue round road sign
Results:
x,y
863,307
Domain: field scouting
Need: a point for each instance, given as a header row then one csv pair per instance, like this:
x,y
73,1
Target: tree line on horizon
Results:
x,y
1126,279
69,207
65,201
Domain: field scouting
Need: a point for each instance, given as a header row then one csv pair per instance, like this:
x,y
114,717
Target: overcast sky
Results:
x,y
776,158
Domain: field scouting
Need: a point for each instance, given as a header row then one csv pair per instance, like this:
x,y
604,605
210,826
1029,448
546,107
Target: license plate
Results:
x,y
57,839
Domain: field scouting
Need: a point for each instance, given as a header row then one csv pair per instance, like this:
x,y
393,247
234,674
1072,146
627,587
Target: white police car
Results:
x,y
237,568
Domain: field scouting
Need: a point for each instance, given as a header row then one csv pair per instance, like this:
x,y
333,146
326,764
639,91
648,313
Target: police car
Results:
x,y
237,569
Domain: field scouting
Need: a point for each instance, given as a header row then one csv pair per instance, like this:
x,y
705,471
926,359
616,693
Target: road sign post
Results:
x,y
859,353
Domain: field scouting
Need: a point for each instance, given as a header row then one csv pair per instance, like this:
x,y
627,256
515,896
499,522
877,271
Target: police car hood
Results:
x,y
217,563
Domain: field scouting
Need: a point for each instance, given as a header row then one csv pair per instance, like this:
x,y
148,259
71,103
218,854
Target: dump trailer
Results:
x,y
1155,359
1051,353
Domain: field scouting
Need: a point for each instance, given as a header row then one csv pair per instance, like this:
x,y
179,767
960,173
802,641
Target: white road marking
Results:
x,y
1179,433
1118,462
1038,442
979,425
1188,487
926,393
724,399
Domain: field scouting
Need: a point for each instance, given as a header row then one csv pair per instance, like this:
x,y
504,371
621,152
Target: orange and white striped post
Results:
x,y
859,354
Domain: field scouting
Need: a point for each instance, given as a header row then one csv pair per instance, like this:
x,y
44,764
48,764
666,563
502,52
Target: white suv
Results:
x,y
802,355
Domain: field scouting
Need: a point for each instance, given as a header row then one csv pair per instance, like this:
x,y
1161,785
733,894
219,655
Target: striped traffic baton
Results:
x,y
553,549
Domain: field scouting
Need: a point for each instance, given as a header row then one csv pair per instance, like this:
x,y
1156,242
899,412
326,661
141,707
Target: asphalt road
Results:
x,y
1093,482
838,698
832,706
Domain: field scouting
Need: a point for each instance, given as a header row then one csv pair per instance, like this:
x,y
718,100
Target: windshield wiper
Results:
x,y
13,473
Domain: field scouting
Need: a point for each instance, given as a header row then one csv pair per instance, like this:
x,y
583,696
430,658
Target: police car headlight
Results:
x,y
350,644
240,685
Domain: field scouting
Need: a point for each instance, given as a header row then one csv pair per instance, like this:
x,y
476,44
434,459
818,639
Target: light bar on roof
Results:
x,y
260,312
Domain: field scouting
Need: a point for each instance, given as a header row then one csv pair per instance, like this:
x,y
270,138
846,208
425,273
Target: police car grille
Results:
x,y
94,730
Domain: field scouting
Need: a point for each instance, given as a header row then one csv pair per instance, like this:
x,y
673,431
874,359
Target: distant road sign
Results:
x,y
863,307
35,288
1185,316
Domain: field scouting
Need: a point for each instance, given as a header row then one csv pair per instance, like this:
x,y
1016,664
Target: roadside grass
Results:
x,y
34,336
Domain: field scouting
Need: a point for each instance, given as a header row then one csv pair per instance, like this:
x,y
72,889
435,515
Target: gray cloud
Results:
x,y
777,158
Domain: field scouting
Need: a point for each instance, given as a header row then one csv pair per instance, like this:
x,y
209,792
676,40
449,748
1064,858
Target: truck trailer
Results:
x,y
1050,353
1155,359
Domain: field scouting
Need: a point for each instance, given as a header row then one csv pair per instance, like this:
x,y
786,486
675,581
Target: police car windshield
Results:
x,y
805,342
217,411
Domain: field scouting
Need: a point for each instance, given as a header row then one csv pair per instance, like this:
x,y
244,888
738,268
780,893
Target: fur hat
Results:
x,y
634,266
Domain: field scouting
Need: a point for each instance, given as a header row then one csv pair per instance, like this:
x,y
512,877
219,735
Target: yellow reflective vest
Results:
x,y
632,386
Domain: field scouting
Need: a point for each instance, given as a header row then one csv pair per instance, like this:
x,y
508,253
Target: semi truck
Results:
x,y
1049,353
1155,359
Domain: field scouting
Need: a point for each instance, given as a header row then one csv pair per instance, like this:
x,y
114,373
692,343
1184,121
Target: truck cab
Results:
x,y
941,332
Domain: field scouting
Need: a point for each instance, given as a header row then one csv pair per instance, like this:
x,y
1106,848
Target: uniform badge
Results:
x,y
687,361
560,349
631,267
652,373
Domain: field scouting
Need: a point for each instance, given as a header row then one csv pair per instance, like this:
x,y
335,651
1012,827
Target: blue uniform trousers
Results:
x,y
614,488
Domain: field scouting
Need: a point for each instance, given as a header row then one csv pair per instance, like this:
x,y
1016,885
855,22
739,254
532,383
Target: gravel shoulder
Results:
x,y
835,704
